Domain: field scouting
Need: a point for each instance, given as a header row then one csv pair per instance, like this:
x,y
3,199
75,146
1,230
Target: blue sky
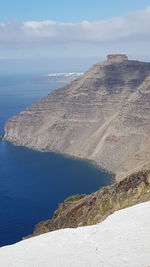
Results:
x,y
42,31
67,10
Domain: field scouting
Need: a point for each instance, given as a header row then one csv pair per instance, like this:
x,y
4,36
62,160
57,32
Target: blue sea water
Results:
x,y
33,183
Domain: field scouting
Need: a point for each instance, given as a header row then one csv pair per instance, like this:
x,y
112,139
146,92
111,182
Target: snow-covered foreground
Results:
x,y
123,239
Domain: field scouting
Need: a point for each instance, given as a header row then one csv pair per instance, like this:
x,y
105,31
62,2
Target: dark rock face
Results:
x,y
83,210
103,116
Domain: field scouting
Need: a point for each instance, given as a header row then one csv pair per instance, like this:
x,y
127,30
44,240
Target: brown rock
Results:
x,y
116,58
104,116
91,209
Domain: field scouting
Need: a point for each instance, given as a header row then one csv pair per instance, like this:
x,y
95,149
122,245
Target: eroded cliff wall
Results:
x,y
104,116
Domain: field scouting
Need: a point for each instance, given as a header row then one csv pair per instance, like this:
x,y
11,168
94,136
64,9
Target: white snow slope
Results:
x,y
122,240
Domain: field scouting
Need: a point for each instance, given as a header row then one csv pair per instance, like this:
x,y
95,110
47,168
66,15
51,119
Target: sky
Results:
x,y
39,31
67,10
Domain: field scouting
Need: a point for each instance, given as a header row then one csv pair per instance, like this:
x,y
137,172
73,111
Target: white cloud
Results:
x,y
132,27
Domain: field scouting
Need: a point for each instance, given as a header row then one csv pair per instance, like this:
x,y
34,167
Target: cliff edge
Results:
x,y
104,116
84,210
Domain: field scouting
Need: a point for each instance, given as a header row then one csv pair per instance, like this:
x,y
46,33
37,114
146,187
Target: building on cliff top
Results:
x,y
117,57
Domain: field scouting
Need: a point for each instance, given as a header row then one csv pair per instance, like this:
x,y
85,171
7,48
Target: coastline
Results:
x,y
93,163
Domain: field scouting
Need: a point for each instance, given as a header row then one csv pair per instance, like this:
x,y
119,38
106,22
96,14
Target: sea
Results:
x,y
33,183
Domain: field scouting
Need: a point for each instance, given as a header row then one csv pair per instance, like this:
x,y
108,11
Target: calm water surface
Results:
x,y
33,183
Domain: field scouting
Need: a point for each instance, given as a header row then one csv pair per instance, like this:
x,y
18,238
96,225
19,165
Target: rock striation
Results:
x,y
83,210
104,116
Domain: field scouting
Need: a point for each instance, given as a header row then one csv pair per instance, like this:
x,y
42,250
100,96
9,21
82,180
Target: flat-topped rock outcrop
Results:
x,y
116,58
104,116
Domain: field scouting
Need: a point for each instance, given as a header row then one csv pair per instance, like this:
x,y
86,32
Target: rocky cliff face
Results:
x,y
82,210
103,116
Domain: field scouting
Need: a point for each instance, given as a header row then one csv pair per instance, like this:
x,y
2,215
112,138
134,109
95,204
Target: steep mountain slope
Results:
x,y
103,116
83,210
122,240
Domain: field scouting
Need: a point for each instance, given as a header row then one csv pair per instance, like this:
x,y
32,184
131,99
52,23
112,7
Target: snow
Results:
x,y
122,240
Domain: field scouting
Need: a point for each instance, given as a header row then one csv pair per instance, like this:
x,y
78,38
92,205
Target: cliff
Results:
x,y
103,116
83,210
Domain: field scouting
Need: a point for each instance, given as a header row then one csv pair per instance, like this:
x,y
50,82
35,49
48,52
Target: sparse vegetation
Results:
x,y
75,198
83,210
